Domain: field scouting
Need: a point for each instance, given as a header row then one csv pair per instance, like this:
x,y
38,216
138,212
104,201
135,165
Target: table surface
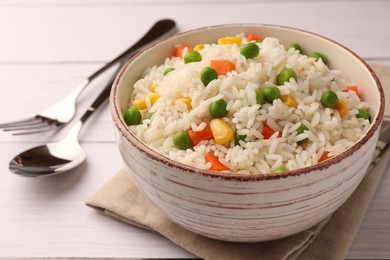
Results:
x,y
47,47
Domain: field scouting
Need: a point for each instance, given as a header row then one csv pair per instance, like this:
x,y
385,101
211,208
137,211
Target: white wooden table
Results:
x,y
48,47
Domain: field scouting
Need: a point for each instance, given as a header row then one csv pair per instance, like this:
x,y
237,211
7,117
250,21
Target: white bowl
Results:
x,y
256,207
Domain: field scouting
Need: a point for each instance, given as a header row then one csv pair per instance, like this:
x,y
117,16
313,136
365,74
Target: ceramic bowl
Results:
x,y
247,208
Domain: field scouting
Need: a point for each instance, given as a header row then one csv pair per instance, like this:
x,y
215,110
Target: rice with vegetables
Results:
x,y
246,105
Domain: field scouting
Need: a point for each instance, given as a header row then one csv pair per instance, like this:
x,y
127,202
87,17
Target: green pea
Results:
x,y
260,98
249,50
295,46
182,140
317,56
362,113
192,56
329,99
132,116
280,169
208,74
218,108
271,93
238,138
167,70
285,75
301,129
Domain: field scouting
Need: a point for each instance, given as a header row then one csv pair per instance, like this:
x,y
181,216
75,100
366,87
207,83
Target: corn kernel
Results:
x,y
289,100
230,40
341,107
153,87
153,97
199,47
186,101
221,131
141,103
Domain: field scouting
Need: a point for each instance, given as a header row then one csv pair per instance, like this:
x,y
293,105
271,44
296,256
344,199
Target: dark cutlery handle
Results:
x,y
100,99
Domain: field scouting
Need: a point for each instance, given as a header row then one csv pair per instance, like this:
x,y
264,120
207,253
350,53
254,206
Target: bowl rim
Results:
x,y
154,155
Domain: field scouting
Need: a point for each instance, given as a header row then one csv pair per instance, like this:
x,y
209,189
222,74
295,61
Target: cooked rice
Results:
x,y
327,130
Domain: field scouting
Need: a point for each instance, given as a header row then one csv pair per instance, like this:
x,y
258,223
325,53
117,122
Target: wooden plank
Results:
x,y
47,33
373,238
47,217
31,88
146,2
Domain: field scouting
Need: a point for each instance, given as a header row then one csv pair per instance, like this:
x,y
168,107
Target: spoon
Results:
x,y
62,156
58,157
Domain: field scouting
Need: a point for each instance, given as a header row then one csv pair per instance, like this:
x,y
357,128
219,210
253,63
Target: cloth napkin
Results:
x,y
119,198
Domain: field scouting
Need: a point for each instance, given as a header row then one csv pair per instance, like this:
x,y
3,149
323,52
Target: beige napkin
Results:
x,y
119,198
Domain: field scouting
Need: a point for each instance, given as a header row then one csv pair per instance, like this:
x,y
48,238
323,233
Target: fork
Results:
x,y
64,110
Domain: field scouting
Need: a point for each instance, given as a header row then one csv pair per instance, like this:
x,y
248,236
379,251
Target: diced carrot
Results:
x,y
352,88
180,48
324,156
268,132
216,165
198,136
252,37
222,67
